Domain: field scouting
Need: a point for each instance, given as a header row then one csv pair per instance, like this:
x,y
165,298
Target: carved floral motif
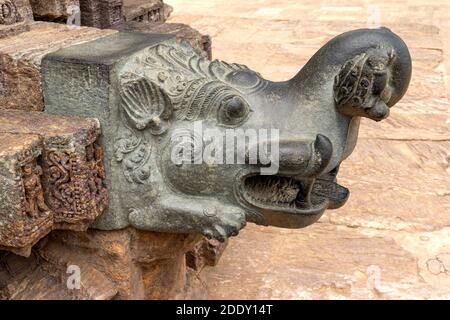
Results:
x,y
9,13
76,190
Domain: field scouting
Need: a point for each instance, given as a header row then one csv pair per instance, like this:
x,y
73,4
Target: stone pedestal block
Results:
x,y
20,61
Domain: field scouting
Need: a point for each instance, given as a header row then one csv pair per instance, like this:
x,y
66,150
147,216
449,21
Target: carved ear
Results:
x,y
362,86
146,105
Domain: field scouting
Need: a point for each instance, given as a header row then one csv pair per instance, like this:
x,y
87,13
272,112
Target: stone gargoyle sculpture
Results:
x,y
155,99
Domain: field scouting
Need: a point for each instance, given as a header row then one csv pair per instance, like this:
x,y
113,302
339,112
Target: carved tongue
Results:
x,y
335,193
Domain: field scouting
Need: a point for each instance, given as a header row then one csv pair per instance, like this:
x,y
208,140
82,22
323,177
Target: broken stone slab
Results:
x,y
15,16
201,43
101,13
72,166
20,60
53,10
24,216
143,10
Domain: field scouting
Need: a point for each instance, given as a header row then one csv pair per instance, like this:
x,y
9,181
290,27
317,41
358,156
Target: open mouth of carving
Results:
x,y
281,193
291,195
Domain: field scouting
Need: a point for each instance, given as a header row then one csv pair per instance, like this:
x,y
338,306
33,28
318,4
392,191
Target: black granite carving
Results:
x,y
152,95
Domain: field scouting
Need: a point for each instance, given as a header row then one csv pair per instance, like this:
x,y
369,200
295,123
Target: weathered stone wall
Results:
x,y
123,264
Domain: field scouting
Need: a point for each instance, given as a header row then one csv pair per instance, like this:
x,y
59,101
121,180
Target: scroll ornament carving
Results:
x,y
76,188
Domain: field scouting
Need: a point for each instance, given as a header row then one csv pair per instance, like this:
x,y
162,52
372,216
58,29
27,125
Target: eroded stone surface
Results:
x,y
144,10
124,264
24,216
34,278
15,11
52,176
20,61
53,10
101,13
205,253
72,164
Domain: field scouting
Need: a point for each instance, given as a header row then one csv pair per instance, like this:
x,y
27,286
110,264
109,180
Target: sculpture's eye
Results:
x,y
235,108
233,111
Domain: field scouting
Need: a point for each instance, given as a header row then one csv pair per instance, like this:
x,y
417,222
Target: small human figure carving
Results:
x,y
33,190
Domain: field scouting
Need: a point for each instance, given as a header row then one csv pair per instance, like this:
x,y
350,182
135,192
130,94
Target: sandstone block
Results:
x,y
205,253
144,10
53,10
20,61
35,278
72,165
24,216
51,177
101,13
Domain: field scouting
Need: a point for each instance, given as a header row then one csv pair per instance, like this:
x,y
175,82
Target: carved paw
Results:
x,y
225,222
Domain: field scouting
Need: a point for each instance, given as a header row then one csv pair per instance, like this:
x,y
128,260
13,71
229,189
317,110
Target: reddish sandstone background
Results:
x,y
392,239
